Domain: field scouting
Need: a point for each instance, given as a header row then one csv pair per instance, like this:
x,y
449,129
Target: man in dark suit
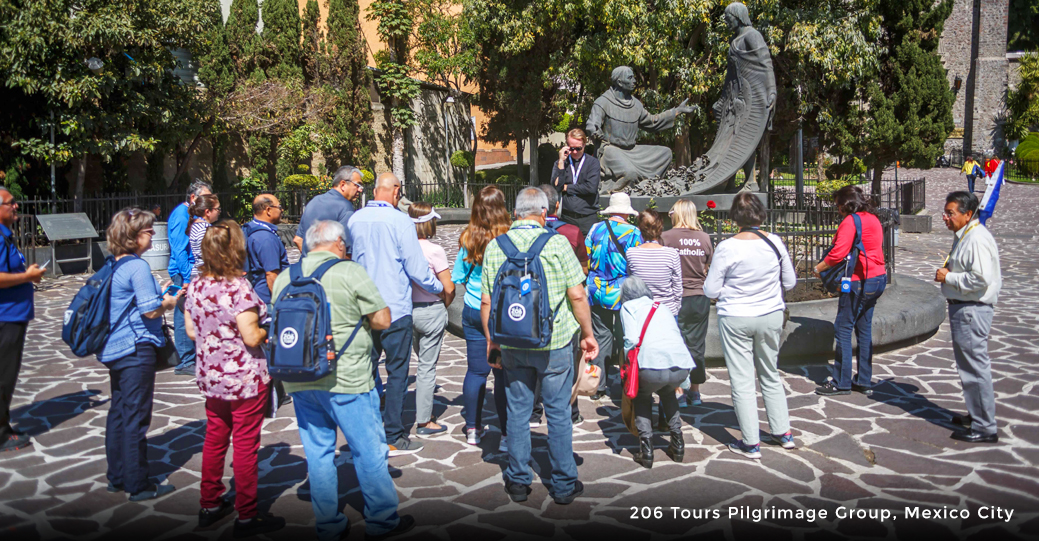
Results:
x,y
576,178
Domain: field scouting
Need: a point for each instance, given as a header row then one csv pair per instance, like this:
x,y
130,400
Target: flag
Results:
x,y
991,197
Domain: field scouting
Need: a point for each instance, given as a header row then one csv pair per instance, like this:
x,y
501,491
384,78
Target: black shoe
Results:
x,y
962,420
517,492
284,401
260,524
644,456
868,391
830,389
207,518
113,488
577,419
15,441
152,492
569,498
970,436
186,371
407,522
599,395
677,448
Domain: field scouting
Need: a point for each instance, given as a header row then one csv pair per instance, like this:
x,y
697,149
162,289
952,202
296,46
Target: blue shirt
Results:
x,y
386,245
264,253
133,286
15,302
181,259
473,287
330,205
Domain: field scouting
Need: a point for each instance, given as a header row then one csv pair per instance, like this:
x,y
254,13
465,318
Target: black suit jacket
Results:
x,y
581,198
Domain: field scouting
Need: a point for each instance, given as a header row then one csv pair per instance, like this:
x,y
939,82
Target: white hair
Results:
x,y
323,233
530,202
634,288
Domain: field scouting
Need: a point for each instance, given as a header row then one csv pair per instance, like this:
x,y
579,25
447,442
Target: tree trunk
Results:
x,y
472,167
765,162
519,158
185,163
533,145
682,153
81,178
398,154
878,173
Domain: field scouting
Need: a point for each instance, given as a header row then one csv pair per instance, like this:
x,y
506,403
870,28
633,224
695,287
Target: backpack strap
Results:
x,y
323,268
616,241
506,245
357,327
540,242
296,271
468,274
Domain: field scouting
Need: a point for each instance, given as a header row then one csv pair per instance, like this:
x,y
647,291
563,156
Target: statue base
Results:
x,y
722,201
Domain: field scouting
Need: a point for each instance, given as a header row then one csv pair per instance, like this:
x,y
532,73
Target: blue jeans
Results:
x,y
396,342
185,345
555,370
970,183
474,386
855,312
318,413
129,416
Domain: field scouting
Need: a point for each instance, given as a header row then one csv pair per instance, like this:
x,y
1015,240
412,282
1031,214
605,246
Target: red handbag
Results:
x,y
630,369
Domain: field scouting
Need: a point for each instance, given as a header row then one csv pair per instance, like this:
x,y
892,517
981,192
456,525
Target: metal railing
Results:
x,y
1022,170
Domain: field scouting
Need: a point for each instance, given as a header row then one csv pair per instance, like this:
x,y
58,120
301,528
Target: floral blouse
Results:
x,y
226,368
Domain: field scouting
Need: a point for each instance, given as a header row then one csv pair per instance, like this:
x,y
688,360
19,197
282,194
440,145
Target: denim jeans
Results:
x,y
129,416
855,312
970,183
474,386
555,370
396,342
318,413
185,345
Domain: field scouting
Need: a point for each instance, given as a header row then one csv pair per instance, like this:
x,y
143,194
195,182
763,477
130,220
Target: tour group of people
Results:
x,y
618,282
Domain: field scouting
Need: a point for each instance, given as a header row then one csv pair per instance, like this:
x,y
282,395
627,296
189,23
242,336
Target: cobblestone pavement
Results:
x,y
887,452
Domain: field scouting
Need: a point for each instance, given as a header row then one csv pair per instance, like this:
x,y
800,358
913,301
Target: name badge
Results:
x,y
524,284
845,285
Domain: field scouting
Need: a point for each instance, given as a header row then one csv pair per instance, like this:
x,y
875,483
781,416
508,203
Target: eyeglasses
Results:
x,y
357,184
576,149
274,207
12,202
148,231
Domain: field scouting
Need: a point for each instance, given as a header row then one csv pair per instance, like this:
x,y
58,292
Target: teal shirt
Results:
x,y
473,289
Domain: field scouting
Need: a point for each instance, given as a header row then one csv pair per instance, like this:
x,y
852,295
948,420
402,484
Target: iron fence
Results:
x,y
459,194
906,195
1022,170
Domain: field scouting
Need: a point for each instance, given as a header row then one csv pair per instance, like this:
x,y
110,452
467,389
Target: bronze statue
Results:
x,y
744,110
614,123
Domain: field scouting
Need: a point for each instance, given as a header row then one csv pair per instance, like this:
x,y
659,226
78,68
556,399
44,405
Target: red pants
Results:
x,y
241,419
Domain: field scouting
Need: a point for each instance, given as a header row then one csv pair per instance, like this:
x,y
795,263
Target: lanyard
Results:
x,y
379,204
976,224
577,171
531,226
264,225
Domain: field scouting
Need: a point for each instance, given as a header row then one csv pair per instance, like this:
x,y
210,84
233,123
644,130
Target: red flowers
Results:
x,y
711,204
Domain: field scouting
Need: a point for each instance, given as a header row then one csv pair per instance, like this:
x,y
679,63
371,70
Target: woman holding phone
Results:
x,y
130,354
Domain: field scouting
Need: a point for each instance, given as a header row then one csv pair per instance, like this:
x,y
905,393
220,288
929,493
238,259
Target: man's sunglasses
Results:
x,y
576,149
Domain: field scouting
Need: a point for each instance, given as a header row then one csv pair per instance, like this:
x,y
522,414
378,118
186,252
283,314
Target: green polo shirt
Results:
x,y
562,271
351,295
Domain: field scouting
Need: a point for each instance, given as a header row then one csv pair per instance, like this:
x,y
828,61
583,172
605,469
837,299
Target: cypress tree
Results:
x,y
281,39
351,121
910,103
216,66
313,44
241,36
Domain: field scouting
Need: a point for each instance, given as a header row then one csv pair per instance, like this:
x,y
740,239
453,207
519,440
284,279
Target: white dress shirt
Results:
x,y
973,265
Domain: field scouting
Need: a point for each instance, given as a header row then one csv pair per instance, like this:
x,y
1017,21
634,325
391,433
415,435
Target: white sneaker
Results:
x,y
472,436
503,447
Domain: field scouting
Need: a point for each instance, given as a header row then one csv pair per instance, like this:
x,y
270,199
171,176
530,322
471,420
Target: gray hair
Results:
x,y
553,197
196,188
344,174
634,288
324,232
619,72
530,202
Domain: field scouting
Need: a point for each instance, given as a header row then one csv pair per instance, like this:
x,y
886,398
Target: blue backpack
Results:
x,y
86,326
301,345
520,314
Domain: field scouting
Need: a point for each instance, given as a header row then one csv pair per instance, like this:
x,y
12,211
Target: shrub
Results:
x,y
462,159
304,182
826,188
563,125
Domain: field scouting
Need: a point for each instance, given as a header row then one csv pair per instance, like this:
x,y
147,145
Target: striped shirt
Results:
x,y
661,269
195,236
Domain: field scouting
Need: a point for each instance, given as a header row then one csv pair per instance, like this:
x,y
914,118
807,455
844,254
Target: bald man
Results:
x,y
266,255
386,245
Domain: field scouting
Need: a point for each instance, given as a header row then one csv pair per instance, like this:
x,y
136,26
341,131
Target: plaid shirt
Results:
x,y
562,271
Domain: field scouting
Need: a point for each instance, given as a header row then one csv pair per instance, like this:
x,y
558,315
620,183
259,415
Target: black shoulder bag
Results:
x,y
616,242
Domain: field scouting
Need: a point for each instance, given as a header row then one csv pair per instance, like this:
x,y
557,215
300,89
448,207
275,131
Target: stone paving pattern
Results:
x,y
885,452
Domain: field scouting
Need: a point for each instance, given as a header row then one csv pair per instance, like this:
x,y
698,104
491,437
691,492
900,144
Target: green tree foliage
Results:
x,y
1023,28
395,23
1023,101
242,39
910,103
281,40
313,49
352,140
216,65
133,102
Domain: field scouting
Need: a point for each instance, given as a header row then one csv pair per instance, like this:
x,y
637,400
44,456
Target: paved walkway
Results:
x,y
888,452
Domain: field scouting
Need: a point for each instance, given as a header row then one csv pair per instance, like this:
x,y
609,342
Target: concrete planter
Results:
x,y
910,311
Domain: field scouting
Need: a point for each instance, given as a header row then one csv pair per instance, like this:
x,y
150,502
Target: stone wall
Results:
x,y
979,102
